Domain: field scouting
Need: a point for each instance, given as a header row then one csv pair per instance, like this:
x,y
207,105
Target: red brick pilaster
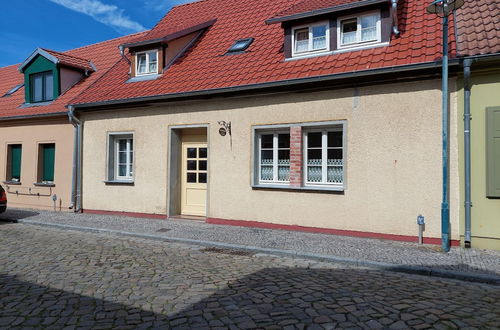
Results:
x,y
296,156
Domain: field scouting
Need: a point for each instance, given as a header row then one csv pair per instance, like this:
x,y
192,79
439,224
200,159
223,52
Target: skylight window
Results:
x,y
240,45
13,90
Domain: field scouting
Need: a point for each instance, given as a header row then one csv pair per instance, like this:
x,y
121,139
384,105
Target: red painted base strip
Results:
x,y
266,225
128,214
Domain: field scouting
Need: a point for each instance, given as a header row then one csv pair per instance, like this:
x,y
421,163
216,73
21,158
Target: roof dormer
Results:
x,y
333,26
149,58
48,74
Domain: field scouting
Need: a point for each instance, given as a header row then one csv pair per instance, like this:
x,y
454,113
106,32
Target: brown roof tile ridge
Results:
x,y
61,53
107,41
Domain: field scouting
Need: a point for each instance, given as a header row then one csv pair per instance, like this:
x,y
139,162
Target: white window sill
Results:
x,y
119,182
143,77
276,186
337,51
44,184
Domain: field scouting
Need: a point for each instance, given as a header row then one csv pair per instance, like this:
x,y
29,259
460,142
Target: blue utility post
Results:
x,y
445,205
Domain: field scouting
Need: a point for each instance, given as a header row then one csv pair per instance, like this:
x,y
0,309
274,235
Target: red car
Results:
x,y
3,200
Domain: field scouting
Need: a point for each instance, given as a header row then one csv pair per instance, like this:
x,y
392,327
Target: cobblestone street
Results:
x,y
56,278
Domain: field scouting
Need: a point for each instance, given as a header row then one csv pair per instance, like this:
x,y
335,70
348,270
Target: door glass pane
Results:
x,y
334,139
191,177
314,140
191,165
49,87
202,165
37,86
202,177
122,145
191,152
203,153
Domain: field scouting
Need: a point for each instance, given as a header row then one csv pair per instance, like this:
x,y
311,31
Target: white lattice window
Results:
x,y
274,157
324,160
121,157
355,31
311,39
147,62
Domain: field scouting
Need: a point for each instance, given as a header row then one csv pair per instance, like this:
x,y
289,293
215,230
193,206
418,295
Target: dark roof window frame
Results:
x,y
240,46
13,90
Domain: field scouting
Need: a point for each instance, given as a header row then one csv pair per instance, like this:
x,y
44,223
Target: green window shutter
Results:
x,y
49,151
493,152
15,165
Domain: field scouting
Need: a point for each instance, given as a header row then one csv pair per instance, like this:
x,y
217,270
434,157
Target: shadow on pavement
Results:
x,y
13,215
280,297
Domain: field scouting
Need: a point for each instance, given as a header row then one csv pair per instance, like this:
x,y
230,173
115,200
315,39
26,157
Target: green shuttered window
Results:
x,y
46,162
493,152
14,162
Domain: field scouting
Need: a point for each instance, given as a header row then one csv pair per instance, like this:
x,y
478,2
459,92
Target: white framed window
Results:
x,y
146,62
311,39
324,156
358,31
274,157
120,157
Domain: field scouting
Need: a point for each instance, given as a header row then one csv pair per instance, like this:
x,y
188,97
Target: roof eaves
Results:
x,y
172,36
35,116
38,51
324,11
272,84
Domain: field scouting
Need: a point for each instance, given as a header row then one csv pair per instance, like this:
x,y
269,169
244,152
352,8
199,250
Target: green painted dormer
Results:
x,y
48,74
39,82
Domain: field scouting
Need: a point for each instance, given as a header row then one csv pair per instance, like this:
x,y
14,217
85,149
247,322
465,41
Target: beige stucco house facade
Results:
x,y
391,152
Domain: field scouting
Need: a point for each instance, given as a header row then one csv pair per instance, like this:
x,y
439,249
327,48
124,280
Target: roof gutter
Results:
x,y
281,83
45,115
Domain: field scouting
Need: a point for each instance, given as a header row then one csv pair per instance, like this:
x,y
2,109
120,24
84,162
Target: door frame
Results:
x,y
174,171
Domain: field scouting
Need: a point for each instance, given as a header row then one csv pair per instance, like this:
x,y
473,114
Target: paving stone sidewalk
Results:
x,y
471,262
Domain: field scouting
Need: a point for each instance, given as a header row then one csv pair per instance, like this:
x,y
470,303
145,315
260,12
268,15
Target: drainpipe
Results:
x,y
467,153
76,171
394,9
122,53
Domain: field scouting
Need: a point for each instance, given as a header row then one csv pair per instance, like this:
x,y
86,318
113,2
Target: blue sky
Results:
x,y
65,24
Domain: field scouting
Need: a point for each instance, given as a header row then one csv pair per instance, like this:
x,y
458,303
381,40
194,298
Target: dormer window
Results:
x,y
358,31
42,87
147,62
311,39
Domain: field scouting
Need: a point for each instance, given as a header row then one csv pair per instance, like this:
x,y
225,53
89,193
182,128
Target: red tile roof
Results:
x,y
103,55
478,27
69,60
204,68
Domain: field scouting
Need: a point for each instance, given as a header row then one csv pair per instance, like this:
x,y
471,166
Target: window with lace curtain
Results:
x,y
357,31
324,156
311,39
274,157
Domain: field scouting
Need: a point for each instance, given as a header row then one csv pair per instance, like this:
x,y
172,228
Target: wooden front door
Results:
x,y
194,179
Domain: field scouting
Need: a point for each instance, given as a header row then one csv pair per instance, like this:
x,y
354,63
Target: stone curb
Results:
x,y
418,270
